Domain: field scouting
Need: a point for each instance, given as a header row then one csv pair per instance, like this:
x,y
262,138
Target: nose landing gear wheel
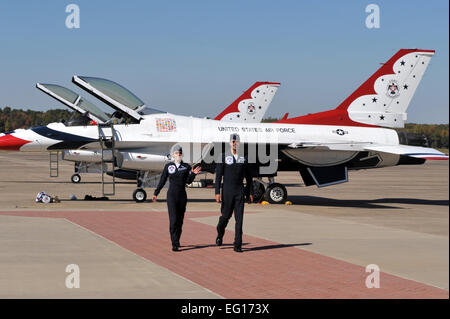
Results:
x,y
276,193
76,178
139,195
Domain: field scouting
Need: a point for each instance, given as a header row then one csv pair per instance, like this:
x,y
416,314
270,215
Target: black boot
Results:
x,y
219,241
238,249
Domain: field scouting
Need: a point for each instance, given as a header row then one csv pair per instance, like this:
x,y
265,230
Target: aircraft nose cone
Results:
x,y
11,143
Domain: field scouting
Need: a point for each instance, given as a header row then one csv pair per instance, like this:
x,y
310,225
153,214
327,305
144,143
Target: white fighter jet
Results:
x,y
322,147
86,113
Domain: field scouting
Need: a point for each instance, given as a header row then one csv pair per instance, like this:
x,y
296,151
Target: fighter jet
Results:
x,y
86,113
322,147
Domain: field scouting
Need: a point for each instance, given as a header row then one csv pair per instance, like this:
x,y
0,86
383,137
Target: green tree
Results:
x,y
7,125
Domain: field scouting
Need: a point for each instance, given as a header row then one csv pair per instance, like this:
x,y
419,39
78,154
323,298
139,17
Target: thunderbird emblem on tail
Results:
x,y
393,90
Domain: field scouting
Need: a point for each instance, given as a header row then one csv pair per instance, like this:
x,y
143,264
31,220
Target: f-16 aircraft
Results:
x,y
322,147
252,110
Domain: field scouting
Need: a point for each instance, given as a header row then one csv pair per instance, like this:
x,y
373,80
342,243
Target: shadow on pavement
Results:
x,y
190,247
276,246
358,203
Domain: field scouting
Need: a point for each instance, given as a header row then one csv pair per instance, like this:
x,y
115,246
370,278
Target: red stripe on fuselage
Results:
x,y
332,117
11,143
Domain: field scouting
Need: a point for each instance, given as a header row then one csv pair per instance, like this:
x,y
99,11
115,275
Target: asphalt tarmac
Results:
x,y
396,218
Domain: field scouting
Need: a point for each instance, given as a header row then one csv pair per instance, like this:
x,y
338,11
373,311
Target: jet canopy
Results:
x,y
149,110
115,91
74,101
113,94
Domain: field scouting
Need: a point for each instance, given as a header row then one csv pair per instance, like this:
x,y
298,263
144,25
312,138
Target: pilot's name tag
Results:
x,y
241,160
229,160
171,169
181,168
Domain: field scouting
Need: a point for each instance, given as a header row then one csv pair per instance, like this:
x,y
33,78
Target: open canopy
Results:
x,y
74,101
112,93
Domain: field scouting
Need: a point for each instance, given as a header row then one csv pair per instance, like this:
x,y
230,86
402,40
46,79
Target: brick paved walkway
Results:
x,y
265,270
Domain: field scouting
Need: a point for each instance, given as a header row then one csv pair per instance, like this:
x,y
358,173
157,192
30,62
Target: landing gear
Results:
x,y
258,191
76,178
84,168
139,195
276,193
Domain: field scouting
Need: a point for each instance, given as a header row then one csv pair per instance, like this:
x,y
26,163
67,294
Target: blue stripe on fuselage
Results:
x,y
68,141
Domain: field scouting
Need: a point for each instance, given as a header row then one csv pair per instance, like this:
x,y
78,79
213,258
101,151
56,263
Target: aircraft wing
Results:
x,y
338,146
408,150
405,150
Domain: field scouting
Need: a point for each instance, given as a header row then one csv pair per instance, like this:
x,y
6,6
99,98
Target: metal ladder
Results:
x,y
54,164
106,137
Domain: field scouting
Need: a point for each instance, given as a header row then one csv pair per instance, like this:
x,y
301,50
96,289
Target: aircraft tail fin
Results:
x,y
383,99
251,106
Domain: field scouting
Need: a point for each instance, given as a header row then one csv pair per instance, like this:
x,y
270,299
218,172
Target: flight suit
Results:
x,y
176,195
233,172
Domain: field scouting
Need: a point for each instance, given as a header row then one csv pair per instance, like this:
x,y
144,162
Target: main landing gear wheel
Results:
x,y
139,195
276,193
258,191
76,178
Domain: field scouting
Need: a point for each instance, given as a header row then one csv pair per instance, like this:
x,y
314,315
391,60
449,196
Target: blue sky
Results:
x,y
195,57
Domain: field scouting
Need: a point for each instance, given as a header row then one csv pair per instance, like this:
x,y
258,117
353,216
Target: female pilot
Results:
x,y
179,174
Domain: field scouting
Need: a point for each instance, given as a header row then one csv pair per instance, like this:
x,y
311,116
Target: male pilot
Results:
x,y
233,168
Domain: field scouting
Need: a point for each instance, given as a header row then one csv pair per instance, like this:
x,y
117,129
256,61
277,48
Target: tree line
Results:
x,y
11,119
436,134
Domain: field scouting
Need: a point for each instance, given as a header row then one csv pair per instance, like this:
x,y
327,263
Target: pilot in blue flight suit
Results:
x,y
179,174
233,168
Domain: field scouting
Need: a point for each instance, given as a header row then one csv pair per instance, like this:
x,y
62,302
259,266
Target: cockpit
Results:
x,y
116,96
114,91
128,107
75,101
